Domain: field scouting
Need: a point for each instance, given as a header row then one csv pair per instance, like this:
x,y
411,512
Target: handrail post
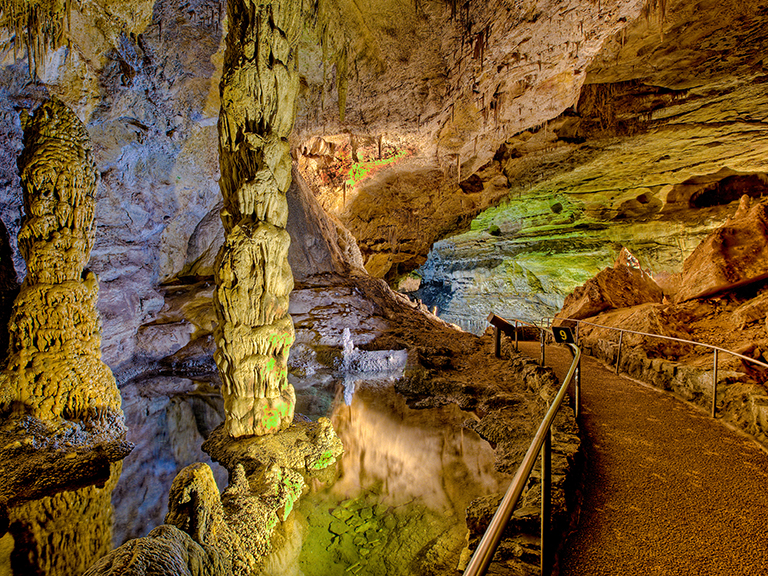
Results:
x,y
543,335
517,349
618,354
714,386
577,378
546,500
497,342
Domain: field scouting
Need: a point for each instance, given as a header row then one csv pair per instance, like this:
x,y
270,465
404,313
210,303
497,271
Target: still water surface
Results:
x,y
397,504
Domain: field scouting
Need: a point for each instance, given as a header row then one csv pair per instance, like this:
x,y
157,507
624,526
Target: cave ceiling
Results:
x,y
594,123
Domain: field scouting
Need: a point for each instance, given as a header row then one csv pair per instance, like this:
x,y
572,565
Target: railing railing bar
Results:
x,y
481,559
546,500
711,346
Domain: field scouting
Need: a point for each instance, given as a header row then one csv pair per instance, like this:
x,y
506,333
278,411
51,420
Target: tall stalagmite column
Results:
x,y
54,367
253,279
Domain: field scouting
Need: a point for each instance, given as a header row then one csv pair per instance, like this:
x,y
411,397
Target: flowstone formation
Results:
x,y
63,424
253,277
229,533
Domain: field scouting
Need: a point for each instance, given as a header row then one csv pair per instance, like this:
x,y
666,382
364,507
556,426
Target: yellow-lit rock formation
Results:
x,y
55,368
253,278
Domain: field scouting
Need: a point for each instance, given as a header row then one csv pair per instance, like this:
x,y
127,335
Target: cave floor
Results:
x,y
665,490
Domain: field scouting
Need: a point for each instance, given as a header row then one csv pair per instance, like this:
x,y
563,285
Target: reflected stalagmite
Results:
x,y
253,278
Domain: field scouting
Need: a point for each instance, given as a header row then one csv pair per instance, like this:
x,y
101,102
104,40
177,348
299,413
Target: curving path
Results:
x,y
667,490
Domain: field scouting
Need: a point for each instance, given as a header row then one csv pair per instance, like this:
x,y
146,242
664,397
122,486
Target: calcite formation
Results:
x,y
253,277
54,368
65,533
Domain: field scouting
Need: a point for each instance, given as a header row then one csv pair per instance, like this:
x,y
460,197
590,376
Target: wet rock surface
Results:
x,y
353,329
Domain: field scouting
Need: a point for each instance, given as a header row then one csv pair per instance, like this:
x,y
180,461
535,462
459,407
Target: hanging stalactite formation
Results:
x,y
253,277
37,26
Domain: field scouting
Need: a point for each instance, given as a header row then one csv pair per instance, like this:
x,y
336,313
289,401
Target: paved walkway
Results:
x,y
666,489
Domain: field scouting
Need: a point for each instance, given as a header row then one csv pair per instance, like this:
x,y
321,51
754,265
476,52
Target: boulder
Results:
x,y
618,287
734,255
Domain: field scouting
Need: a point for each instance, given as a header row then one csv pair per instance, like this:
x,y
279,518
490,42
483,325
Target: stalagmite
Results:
x,y
253,278
54,368
62,432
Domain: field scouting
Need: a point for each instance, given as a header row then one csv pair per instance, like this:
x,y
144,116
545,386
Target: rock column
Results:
x,y
54,368
253,278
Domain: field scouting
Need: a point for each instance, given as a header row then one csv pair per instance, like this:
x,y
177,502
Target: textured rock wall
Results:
x,y
143,77
450,82
667,134
65,533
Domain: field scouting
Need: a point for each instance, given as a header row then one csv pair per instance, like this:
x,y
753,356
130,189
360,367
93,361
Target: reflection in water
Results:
x,y
397,506
60,535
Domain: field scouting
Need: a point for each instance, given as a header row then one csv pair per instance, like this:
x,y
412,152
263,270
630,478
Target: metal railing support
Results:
x,y
496,342
516,338
714,386
618,354
546,501
577,379
481,559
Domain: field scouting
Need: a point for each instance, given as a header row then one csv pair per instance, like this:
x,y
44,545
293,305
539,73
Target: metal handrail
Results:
x,y
541,444
621,331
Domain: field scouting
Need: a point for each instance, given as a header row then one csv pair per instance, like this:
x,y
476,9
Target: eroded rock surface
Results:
x,y
667,134
732,256
55,368
732,319
63,422
229,533
619,287
63,428
65,533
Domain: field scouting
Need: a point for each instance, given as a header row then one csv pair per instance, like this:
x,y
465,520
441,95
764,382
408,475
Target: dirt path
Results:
x,y
667,491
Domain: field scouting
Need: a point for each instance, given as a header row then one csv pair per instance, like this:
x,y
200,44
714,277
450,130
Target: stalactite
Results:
x,y
38,25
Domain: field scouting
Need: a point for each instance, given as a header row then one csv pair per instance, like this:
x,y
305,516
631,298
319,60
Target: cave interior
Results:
x,y
248,250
